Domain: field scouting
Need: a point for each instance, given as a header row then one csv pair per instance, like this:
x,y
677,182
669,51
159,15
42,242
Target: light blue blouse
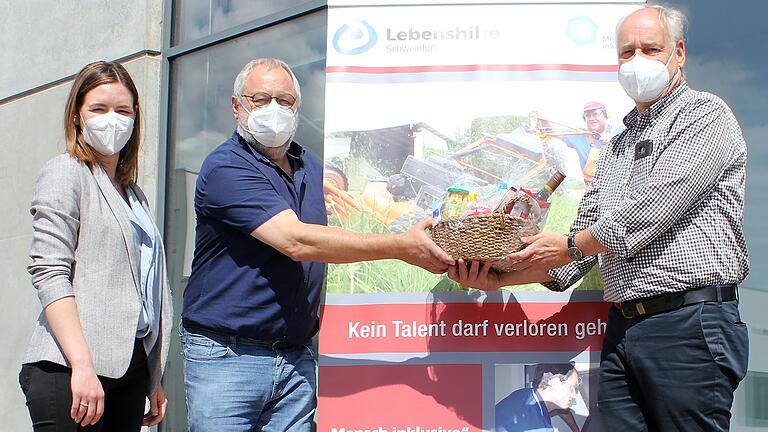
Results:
x,y
147,242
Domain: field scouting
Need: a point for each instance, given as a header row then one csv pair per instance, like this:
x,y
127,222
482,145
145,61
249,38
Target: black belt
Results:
x,y
668,302
235,339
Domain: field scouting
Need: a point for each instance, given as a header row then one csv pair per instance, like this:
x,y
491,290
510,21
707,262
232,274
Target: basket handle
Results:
x,y
520,197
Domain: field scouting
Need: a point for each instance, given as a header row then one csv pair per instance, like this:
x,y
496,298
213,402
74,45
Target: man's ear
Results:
x,y
235,105
680,52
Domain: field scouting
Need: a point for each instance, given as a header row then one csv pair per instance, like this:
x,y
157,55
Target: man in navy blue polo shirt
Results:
x,y
251,303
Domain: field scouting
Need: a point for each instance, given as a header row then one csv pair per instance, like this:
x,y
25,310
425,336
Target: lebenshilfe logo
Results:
x,y
355,38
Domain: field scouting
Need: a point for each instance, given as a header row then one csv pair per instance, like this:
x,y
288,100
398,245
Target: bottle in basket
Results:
x,y
537,206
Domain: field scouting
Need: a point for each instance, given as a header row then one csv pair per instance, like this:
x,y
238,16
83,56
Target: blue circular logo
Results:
x,y
354,39
581,30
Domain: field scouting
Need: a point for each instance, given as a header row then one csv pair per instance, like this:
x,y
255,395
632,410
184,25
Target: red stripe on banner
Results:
x,y
394,398
471,68
462,327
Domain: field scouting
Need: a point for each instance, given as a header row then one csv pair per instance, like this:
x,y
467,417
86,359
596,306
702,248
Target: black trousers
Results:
x,y
674,371
46,386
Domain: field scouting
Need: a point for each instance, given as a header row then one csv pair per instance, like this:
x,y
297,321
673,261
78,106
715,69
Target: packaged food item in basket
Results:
x,y
475,209
454,202
506,199
536,208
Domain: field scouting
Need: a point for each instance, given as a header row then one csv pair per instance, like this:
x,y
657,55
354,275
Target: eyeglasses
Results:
x,y
596,114
260,100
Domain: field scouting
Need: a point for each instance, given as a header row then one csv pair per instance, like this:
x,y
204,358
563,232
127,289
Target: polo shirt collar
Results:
x,y
295,151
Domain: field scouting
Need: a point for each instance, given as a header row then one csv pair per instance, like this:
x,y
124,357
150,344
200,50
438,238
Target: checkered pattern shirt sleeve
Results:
x,y
670,216
588,214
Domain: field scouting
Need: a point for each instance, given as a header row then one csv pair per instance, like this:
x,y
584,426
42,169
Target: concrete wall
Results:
x,y
45,41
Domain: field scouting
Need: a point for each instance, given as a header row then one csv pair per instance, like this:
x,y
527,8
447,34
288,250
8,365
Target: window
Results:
x,y
193,19
200,118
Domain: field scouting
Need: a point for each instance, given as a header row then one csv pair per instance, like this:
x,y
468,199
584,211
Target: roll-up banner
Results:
x,y
480,96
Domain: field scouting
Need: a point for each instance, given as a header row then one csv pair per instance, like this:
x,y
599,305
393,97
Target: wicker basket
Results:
x,y
489,237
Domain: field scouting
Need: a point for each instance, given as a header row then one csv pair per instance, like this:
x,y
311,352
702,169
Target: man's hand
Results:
x,y
157,405
477,276
544,251
421,251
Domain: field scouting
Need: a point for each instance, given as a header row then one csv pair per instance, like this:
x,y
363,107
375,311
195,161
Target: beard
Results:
x,y
271,153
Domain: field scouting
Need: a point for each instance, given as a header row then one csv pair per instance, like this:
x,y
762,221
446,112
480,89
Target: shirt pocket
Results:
x,y
641,170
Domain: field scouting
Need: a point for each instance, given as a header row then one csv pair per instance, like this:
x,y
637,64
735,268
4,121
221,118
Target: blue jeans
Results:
x,y
243,385
674,371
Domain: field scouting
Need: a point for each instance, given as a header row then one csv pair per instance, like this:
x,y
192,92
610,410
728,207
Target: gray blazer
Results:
x,y
83,247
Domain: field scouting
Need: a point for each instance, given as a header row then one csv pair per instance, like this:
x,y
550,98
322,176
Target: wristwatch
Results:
x,y
574,252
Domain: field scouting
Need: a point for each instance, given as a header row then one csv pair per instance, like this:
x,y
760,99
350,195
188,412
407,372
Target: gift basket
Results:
x,y
470,230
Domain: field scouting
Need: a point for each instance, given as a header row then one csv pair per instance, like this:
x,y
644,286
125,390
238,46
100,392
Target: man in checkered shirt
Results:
x,y
663,219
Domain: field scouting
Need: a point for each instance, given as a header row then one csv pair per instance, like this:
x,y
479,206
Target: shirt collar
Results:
x,y
138,215
295,151
658,107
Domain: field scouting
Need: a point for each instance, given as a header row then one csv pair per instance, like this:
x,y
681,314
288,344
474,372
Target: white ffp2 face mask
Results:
x,y
273,125
107,133
644,79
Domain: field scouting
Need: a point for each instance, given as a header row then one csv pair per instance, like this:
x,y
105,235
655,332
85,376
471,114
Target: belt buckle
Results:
x,y
635,310
640,308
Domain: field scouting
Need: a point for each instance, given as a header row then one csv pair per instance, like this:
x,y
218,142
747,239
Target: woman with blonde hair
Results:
x,y
99,347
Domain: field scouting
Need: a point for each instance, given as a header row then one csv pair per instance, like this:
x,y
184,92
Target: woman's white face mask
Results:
x,y
107,133
272,126
644,79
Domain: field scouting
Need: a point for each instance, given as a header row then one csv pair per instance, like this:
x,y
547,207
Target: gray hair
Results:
x,y
269,63
672,19
545,372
